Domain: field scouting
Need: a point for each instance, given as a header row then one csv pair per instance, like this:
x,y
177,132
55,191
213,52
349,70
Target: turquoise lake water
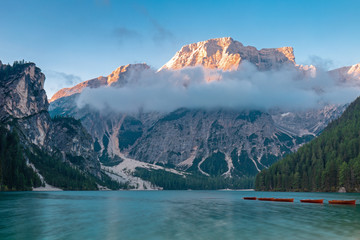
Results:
x,y
174,215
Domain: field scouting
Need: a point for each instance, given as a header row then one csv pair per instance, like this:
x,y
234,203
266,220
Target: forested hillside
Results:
x,y
35,149
327,163
14,173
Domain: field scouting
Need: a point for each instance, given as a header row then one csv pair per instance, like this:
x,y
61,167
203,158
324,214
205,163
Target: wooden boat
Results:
x,y
283,200
346,202
312,200
266,199
249,198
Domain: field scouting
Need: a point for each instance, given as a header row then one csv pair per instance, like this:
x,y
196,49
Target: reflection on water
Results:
x,y
174,215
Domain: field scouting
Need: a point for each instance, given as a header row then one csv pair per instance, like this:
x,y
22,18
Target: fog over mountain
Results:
x,y
287,88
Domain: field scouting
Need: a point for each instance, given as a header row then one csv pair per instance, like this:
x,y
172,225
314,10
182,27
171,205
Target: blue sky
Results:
x,y
74,40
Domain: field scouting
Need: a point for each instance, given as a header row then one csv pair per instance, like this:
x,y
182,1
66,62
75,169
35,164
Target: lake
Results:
x,y
174,215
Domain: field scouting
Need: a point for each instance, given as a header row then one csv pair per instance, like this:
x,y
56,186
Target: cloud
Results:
x,y
123,34
160,34
57,80
321,63
247,88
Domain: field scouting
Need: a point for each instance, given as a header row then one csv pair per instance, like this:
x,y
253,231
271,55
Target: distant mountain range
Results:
x,y
210,143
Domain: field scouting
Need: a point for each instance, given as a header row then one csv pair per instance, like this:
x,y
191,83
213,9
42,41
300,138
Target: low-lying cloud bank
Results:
x,y
196,87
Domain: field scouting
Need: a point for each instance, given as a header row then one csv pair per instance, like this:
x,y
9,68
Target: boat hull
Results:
x,y
249,198
344,202
266,199
283,200
312,201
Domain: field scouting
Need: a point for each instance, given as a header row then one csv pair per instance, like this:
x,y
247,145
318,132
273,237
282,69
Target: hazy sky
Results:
x,y
73,40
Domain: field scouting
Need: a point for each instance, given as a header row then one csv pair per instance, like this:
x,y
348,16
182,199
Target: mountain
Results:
x,y
349,74
211,143
330,162
309,122
227,54
57,152
118,78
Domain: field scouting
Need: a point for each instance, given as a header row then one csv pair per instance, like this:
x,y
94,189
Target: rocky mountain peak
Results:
x,y
347,74
22,90
119,77
227,54
93,83
354,70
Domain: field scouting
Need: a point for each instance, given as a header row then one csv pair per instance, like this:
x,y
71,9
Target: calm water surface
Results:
x,y
174,215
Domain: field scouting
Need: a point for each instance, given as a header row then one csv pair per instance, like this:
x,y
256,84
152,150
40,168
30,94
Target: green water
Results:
x,y
174,215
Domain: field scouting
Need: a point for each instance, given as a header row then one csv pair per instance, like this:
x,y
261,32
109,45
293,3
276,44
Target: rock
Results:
x,y
227,54
177,138
24,105
68,136
309,122
93,83
349,74
22,93
342,190
124,74
184,133
118,78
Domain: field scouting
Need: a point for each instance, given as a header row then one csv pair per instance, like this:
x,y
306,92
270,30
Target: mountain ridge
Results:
x,y
227,54
348,74
116,78
223,54
190,139
196,54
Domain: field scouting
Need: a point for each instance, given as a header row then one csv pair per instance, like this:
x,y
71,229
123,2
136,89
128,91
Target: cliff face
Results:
x,y
185,138
184,135
24,106
22,91
227,54
23,98
71,139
